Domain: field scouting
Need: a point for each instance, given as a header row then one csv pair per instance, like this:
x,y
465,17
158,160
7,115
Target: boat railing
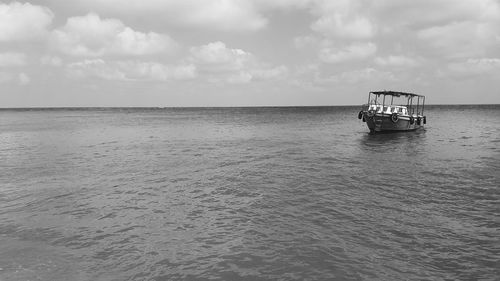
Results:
x,y
387,109
415,104
391,109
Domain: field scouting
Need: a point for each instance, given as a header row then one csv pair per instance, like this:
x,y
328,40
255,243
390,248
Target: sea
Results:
x,y
257,193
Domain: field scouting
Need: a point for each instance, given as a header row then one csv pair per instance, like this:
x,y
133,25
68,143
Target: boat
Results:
x,y
391,111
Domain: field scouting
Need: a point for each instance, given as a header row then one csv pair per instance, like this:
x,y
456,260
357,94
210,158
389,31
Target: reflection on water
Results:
x,y
247,194
371,140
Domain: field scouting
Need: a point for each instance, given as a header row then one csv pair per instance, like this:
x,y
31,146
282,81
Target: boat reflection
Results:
x,y
402,142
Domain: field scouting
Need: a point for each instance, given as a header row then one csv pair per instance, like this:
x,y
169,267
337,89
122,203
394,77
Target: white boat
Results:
x,y
390,111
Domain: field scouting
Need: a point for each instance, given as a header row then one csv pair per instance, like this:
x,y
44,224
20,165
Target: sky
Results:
x,y
162,53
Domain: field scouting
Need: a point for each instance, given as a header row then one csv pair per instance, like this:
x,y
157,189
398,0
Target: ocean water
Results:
x,y
248,194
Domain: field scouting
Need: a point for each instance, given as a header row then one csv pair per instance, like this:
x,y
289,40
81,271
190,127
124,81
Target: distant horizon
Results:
x,y
251,106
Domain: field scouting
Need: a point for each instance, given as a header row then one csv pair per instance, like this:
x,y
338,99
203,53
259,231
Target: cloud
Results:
x,y
20,78
213,62
450,29
427,13
23,79
12,59
342,19
305,41
222,41
270,73
355,51
342,26
222,64
475,67
97,68
361,75
460,39
238,78
218,55
249,75
282,4
346,29
396,61
23,21
444,29
92,36
225,15
130,70
51,60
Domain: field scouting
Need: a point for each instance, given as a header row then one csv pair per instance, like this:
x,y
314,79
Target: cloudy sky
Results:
x,y
246,52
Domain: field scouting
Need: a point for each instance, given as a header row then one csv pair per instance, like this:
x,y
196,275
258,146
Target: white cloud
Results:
x,y
213,62
343,26
51,60
270,73
460,39
23,21
226,15
282,4
305,41
239,78
184,72
355,51
443,29
249,75
361,75
23,79
12,59
92,36
357,41
222,64
20,78
96,68
216,53
130,70
396,61
342,19
427,13
475,67
223,15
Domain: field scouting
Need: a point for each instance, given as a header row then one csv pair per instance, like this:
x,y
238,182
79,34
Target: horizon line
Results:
x,y
232,106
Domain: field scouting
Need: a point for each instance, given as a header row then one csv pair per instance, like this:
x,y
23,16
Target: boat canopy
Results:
x,y
417,107
395,94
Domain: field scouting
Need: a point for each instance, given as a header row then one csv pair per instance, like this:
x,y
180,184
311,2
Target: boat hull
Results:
x,y
381,122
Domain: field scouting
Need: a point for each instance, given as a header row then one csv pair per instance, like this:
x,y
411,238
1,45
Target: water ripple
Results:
x,y
247,194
